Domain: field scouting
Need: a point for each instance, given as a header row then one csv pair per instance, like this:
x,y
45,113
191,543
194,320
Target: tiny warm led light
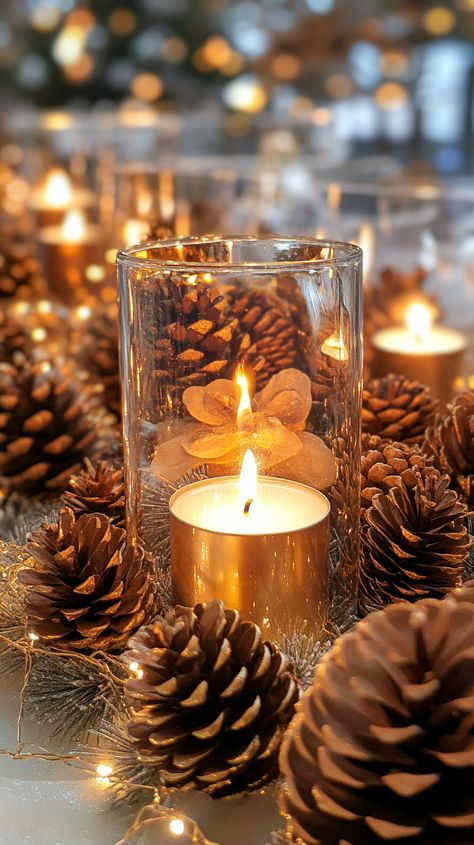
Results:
x,y
73,227
103,770
44,306
21,308
33,637
136,669
39,334
95,273
134,232
177,827
45,367
418,319
83,312
58,189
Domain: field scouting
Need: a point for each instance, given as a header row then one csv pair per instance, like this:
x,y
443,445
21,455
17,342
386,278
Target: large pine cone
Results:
x,y
89,588
192,336
101,357
451,441
213,702
98,488
382,749
414,542
46,425
397,408
266,339
384,463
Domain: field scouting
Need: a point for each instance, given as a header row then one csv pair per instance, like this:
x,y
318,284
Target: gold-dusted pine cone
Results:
x,y
451,441
213,702
46,425
13,337
414,542
397,408
99,488
382,748
266,339
192,338
89,588
101,357
384,463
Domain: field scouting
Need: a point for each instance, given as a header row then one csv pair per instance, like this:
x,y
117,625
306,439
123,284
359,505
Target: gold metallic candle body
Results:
x,y
277,580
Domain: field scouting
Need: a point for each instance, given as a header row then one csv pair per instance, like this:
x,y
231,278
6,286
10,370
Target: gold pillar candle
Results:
x,y
68,251
263,553
433,355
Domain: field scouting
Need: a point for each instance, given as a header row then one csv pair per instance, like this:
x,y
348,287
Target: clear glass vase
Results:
x,y
241,374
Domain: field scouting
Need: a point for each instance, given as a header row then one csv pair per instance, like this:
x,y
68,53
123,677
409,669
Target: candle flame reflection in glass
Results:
x,y
244,404
418,319
73,227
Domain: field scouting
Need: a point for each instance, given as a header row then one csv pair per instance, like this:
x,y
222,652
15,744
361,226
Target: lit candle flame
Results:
x,y
74,227
245,405
58,189
418,319
248,481
134,232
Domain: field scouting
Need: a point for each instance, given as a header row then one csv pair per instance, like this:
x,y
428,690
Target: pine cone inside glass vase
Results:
x,y
414,542
451,442
266,339
382,749
89,588
397,408
101,357
192,335
46,425
213,701
99,488
384,463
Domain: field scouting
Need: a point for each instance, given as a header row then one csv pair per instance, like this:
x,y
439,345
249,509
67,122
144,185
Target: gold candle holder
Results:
x,y
276,576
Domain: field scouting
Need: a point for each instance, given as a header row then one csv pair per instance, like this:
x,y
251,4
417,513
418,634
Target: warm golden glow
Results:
x,y
74,227
335,347
334,198
95,273
177,827
39,334
103,772
44,306
134,232
248,481
245,406
366,241
418,319
58,189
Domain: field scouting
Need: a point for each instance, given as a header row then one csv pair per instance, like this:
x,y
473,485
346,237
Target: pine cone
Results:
x,y
97,489
19,266
13,337
414,542
101,357
46,426
382,749
384,463
397,408
266,340
213,702
192,336
451,442
90,588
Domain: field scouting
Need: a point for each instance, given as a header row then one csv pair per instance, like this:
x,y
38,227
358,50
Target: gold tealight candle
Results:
x,y
72,256
258,543
433,355
56,195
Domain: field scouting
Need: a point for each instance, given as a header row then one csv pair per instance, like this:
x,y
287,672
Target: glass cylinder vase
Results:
x,y
241,376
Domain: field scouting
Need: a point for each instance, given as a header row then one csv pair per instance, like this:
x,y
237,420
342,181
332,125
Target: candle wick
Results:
x,y
247,506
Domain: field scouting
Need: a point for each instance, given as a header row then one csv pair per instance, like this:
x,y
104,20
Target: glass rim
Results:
x,y
129,256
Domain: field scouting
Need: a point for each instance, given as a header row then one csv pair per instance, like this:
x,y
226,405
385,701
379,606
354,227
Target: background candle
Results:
x,y
433,355
56,196
271,564
68,250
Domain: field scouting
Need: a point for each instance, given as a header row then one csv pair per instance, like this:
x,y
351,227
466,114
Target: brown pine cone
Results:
x,y
192,336
213,702
382,748
13,337
19,265
101,357
98,488
384,463
46,425
397,408
414,542
451,441
266,340
89,588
